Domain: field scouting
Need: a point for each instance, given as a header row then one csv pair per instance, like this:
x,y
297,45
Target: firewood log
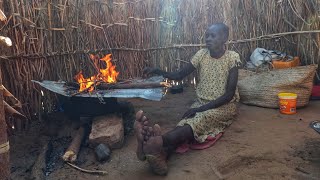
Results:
x,y
106,86
72,152
142,85
133,85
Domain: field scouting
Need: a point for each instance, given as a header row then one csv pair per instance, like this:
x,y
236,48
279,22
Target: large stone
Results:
x,y
107,130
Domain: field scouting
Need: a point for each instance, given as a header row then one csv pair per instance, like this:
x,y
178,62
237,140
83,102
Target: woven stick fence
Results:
x,y
52,39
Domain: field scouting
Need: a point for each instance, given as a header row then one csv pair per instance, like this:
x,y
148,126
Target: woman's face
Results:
x,y
215,37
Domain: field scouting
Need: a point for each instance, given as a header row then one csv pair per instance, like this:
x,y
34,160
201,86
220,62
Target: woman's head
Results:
x,y
217,35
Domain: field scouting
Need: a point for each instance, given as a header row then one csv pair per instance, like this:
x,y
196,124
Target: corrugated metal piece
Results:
x,y
154,94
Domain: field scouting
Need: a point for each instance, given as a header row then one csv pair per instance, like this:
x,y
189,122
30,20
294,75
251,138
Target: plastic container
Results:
x,y
288,103
281,64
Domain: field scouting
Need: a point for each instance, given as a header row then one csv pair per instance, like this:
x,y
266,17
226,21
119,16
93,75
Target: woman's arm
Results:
x,y
178,75
224,99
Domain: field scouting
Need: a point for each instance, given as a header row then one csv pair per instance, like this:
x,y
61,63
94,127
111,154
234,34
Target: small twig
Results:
x,y
103,173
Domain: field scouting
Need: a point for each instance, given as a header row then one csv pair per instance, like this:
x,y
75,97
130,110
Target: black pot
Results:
x,y
176,89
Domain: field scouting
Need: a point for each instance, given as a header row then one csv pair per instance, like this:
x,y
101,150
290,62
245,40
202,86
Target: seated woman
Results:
x,y
213,111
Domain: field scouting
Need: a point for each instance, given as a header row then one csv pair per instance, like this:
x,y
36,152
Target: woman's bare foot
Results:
x,y
140,126
156,156
153,140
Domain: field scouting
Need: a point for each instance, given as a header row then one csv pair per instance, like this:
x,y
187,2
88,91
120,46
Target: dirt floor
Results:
x,y
260,144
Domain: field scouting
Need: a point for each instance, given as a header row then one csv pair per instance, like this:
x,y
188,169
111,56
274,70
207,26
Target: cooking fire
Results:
x,y
107,75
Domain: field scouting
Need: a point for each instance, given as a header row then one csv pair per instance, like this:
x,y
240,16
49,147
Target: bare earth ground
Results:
x,y
260,144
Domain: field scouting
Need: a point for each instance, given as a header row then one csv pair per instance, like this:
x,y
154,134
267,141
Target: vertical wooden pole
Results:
x,y
227,13
4,143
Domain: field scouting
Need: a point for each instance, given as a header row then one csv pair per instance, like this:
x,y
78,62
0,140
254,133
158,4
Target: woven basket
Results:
x,y
262,89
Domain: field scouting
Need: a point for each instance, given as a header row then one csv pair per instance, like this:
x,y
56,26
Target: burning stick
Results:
x,y
141,85
133,85
72,152
105,86
87,89
79,92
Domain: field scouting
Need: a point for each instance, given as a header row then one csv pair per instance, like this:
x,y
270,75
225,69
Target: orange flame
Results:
x,y
107,75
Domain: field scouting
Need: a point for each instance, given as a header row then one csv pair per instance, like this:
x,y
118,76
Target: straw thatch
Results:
x,y
52,38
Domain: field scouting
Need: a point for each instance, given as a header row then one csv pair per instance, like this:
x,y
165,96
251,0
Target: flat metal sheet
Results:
x,y
154,94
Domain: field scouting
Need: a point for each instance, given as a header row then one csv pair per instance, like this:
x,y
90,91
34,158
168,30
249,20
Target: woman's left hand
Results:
x,y
190,113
